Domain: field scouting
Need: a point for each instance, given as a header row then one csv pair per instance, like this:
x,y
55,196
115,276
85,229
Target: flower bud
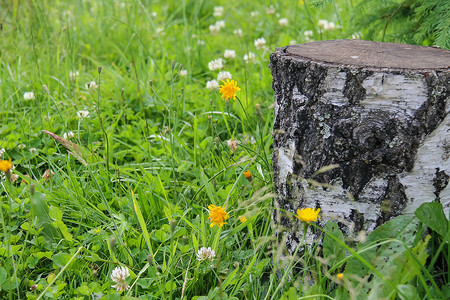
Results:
x,y
150,258
248,175
45,88
173,224
113,242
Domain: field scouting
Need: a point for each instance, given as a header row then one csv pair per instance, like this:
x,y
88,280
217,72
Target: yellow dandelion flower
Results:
x,y
340,276
5,165
243,218
308,214
248,175
218,215
228,89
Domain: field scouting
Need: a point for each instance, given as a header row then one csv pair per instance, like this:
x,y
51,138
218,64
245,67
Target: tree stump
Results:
x,y
378,112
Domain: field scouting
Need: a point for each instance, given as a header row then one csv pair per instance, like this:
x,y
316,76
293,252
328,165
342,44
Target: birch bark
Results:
x,y
380,111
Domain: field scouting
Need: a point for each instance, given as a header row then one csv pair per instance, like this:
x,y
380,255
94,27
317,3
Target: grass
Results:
x,y
146,151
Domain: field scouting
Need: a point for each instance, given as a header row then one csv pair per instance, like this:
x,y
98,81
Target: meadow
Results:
x,y
136,153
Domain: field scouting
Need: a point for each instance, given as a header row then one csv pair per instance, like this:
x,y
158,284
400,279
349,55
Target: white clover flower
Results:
x,y
229,54
322,23
201,42
2,151
330,26
73,75
249,58
293,42
308,33
119,276
214,28
154,14
28,96
21,146
205,253
283,22
223,75
92,85
14,177
212,85
216,64
237,32
260,43
48,174
220,24
270,10
254,13
83,114
233,144
183,72
68,135
33,150
160,30
218,11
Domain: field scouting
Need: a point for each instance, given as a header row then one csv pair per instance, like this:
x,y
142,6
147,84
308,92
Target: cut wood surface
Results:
x,y
361,53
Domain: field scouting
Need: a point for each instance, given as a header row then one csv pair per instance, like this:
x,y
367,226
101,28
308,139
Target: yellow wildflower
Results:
x,y
218,215
5,165
248,175
308,214
243,218
228,89
340,276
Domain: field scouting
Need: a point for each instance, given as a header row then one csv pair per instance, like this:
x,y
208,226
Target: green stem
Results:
x,y
287,270
60,272
105,136
6,234
245,112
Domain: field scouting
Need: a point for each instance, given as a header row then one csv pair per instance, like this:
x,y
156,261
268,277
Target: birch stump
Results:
x,y
378,112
